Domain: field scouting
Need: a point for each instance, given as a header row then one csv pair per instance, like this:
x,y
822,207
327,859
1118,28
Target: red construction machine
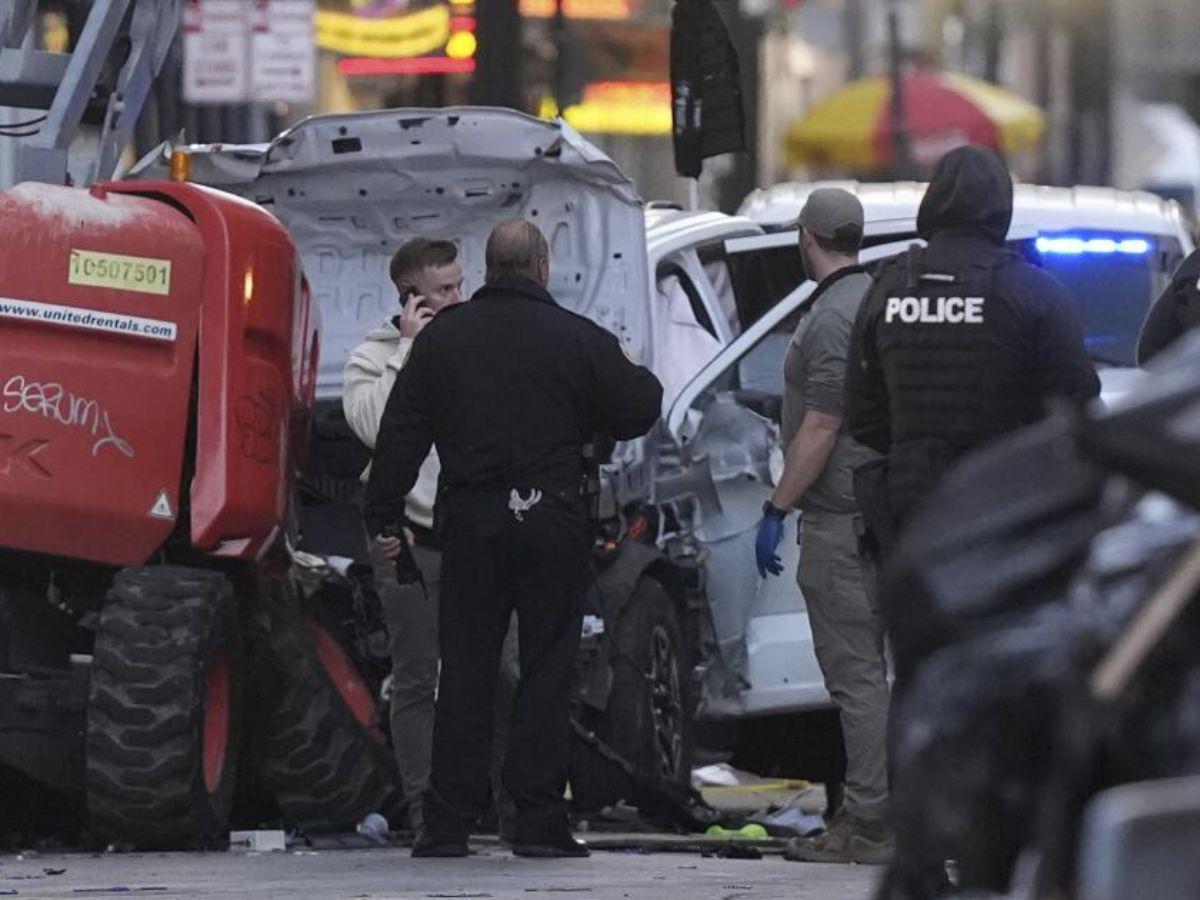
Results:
x,y
161,650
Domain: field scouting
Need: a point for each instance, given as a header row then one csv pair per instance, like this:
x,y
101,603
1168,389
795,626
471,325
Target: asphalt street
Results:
x,y
377,874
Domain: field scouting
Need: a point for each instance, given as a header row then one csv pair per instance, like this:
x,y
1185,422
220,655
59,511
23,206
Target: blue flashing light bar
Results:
x,y
1078,245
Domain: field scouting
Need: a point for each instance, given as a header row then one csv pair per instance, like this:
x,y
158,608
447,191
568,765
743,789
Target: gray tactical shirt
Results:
x,y
814,373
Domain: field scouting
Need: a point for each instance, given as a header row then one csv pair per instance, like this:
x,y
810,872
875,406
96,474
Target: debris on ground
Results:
x,y
374,828
258,841
725,847
751,832
619,817
723,775
792,821
739,850
719,775
733,791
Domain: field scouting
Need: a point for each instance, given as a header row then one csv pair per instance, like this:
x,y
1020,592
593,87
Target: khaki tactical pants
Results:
x,y
848,636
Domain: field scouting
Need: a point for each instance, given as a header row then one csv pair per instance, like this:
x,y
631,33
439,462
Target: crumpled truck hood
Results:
x,y
351,188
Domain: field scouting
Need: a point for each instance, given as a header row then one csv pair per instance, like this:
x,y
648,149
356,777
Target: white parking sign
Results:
x,y
283,58
249,50
216,47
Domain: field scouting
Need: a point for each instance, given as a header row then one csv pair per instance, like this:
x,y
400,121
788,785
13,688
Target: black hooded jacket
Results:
x,y
961,342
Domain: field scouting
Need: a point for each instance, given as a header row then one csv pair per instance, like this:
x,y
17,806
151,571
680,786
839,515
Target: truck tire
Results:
x,y
648,720
164,710
326,757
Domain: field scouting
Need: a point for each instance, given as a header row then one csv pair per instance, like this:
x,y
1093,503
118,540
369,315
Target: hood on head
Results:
x,y
971,189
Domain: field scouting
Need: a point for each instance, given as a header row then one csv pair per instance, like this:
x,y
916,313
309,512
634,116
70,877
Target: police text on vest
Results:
x,y
935,310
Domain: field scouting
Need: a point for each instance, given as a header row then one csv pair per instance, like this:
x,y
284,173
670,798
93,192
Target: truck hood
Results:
x,y
351,188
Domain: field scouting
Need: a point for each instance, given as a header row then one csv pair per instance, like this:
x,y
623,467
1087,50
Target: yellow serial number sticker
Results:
x,y
123,273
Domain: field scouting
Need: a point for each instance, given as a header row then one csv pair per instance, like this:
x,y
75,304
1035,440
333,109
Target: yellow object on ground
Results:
x,y
745,833
765,787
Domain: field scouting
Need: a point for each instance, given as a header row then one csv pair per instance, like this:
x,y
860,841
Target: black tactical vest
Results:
x,y
956,357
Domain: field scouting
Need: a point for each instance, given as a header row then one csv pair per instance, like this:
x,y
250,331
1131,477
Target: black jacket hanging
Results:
x,y
706,90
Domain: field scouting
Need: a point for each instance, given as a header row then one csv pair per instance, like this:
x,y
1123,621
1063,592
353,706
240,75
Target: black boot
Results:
x,y
428,847
564,847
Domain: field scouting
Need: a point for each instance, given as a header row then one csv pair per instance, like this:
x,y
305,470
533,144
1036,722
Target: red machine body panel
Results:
x,y
108,300
257,364
99,312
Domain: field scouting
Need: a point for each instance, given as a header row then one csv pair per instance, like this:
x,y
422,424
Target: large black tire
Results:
x,y
649,718
327,766
166,686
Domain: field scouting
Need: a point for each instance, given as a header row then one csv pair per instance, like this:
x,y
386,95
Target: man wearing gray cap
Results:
x,y
838,583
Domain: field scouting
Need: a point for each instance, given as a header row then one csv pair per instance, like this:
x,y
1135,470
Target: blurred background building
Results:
x,y
1102,91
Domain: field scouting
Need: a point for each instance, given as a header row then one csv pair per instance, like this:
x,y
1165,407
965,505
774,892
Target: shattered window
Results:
x,y
761,278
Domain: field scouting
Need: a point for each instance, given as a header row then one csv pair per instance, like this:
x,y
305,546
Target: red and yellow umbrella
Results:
x,y
852,129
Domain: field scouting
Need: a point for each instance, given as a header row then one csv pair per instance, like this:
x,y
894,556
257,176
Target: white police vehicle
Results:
x,y
1114,250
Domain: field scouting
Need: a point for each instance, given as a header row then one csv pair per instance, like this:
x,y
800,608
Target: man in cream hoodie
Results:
x,y
428,276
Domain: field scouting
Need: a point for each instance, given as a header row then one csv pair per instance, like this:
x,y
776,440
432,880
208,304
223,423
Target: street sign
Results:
x,y
238,51
216,43
283,60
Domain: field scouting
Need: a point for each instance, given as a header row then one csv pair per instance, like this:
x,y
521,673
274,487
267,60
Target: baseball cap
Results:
x,y
833,214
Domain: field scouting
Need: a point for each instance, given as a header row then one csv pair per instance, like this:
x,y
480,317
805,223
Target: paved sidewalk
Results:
x,y
388,874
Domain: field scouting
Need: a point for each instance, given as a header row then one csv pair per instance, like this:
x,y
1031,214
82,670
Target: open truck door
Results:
x,y
726,425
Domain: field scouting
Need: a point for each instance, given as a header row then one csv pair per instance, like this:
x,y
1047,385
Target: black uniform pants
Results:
x,y
505,550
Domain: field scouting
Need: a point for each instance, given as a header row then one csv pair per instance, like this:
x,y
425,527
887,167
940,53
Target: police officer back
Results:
x,y
509,387
958,343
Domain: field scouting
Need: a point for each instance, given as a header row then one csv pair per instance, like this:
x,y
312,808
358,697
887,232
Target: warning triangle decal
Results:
x,y
162,507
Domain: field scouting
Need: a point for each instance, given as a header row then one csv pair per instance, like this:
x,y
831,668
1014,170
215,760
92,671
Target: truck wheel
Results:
x,y
649,716
164,710
326,756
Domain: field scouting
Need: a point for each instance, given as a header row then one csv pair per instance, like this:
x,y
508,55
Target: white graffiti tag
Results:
x,y
52,401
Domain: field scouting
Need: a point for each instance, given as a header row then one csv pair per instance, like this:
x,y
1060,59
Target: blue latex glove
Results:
x,y
770,533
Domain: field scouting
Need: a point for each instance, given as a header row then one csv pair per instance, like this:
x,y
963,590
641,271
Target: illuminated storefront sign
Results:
x,y
375,40
616,107
414,34
577,9
414,65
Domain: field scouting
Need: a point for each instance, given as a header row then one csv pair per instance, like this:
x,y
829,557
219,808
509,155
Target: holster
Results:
x,y
407,570
879,529
589,487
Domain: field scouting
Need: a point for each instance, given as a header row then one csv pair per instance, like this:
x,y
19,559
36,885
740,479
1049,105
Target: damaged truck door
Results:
x,y
719,462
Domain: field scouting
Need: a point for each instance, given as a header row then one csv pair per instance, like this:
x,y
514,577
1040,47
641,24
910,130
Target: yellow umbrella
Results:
x,y
852,129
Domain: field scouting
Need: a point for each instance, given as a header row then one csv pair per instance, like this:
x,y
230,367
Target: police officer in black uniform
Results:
x,y
510,388
961,342
956,345
1176,311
